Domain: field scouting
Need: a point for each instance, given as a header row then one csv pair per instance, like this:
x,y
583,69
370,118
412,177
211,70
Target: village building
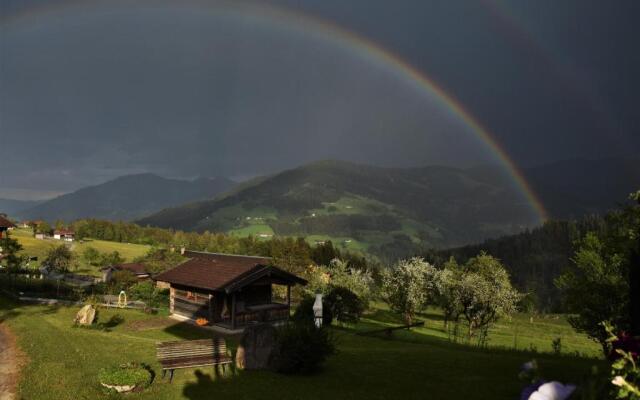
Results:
x,y
63,234
137,269
229,291
5,225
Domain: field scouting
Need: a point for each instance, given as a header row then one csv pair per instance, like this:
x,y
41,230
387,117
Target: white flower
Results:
x,y
552,391
619,381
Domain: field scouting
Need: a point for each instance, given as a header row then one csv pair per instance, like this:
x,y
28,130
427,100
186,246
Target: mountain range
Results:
x,y
126,198
385,211
396,211
363,207
13,207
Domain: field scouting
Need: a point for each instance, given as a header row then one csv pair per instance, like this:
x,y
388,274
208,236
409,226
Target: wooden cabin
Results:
x,y
229,291
5,225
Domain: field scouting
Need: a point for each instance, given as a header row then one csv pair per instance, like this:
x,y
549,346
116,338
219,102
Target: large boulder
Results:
x,y
86,315
256,347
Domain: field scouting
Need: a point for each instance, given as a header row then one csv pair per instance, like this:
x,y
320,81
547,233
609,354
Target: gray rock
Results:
x,y
256,347
86,315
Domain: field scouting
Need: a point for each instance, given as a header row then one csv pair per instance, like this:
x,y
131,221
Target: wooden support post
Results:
x,y
289,296
233,311
210,308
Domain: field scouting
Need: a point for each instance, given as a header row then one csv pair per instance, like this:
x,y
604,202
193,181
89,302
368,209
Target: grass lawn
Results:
x,y
64,361
37,247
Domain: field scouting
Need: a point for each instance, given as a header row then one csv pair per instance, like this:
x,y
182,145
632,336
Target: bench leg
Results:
x,y
164,373
171,376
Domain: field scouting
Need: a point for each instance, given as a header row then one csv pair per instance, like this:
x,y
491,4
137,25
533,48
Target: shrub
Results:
x,y
301,348
147,292
126,374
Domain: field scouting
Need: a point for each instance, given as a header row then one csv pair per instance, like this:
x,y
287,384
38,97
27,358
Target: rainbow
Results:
x,y
337,35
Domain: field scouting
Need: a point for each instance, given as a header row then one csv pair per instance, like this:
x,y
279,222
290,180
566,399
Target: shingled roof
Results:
x,y
136,268
215,271
5,223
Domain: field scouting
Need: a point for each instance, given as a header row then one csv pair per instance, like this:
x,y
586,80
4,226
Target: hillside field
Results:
x,y
64,361
38,248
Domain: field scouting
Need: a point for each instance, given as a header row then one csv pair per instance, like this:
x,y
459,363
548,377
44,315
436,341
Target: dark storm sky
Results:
x,y
92,91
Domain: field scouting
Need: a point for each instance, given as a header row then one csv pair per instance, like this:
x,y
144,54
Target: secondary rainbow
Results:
x,y
322,29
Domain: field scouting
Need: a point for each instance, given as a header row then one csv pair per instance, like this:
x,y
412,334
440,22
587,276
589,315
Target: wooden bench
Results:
x,y
191,354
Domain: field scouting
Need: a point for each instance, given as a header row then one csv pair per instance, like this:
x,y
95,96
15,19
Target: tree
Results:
x,y
406,286
596,289
291,254
122,280
603,283
91,256
112,258
43,228
58,258
357,281
633,220
484,294
446,284
9,249
345,306
159,260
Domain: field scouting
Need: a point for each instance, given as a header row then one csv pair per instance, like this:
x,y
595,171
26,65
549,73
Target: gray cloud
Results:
x,y
100,90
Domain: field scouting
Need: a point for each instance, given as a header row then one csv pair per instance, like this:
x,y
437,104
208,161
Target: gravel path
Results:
x,y
9,364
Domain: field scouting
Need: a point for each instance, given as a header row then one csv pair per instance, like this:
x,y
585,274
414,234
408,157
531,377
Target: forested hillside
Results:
x,y
534,258
388,212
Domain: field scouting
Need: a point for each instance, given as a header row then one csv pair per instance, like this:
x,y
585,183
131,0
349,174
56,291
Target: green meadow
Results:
x,y
422,363
38,248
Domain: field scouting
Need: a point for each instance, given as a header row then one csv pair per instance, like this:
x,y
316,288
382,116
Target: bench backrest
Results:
x,y
191,348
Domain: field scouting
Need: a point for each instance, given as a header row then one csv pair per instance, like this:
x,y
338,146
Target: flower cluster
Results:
x,y
626,343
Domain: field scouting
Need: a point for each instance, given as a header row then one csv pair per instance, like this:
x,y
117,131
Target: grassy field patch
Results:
x,y
65,361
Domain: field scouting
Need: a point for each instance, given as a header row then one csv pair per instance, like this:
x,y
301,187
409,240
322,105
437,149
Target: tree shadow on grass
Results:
x,y
7,315
205,384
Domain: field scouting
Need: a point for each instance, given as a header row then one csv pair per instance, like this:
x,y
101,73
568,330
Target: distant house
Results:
x,y
229,291
139,270
63,234
5,225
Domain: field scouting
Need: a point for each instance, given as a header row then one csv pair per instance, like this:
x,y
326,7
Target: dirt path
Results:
x,y
10,361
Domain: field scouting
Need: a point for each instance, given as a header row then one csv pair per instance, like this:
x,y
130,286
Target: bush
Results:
x,y
344,305
126,375
301,348
148,293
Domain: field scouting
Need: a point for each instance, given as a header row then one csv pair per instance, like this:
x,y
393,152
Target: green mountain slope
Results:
x,y
382,210
126,198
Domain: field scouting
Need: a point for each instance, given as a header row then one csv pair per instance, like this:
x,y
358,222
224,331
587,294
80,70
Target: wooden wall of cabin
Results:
x,y
190,302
